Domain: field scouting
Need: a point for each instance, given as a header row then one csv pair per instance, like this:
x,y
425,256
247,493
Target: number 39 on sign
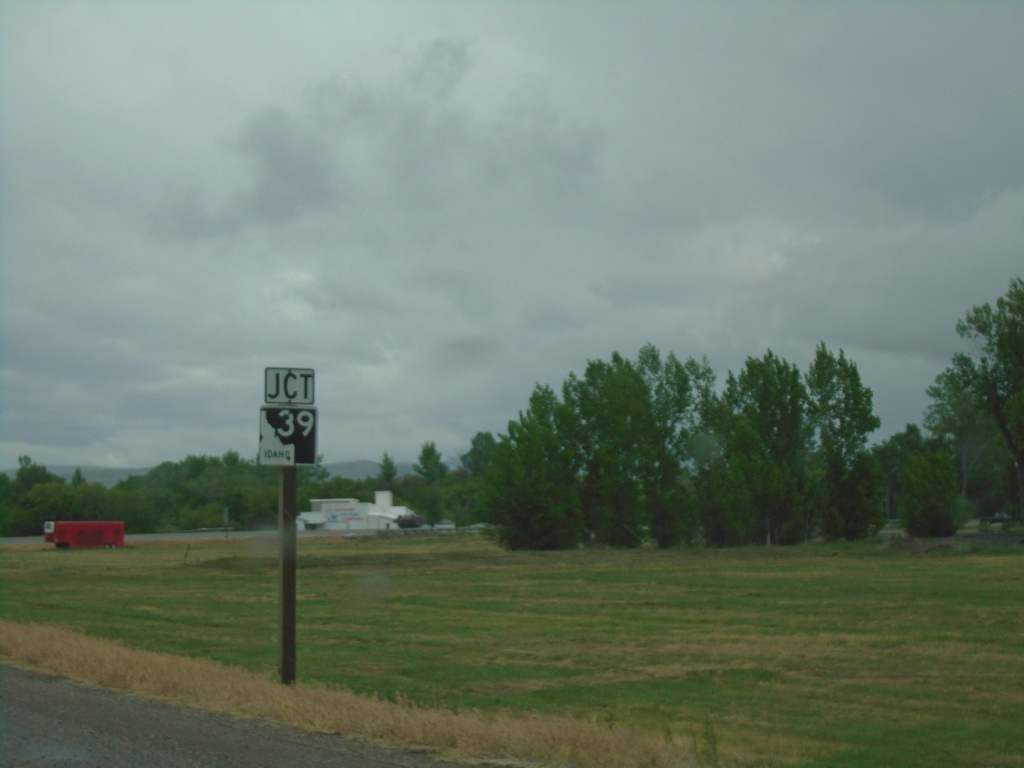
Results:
x,y
287,435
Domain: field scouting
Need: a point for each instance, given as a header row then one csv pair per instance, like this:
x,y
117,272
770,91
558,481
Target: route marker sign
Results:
x,y
289,386
287,435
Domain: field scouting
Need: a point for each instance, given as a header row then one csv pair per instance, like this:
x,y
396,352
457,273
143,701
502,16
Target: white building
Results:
x,y
352,515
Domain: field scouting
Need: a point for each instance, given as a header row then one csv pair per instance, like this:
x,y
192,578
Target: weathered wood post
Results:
x,y
286,596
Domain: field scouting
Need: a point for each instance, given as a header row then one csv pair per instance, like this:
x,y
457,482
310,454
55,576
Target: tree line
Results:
x,y
650,450
207,491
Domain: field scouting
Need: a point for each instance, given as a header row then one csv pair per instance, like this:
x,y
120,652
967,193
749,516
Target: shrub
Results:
x,y
929,494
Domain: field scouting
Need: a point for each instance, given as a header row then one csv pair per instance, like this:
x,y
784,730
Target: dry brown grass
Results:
x,y
462,736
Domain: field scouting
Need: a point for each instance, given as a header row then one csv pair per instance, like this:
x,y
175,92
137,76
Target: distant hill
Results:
x,y
109,476
360,470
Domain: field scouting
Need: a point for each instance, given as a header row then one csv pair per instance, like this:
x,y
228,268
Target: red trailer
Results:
x,y
80,534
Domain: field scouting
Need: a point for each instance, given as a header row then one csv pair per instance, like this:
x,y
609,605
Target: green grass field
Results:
x,y
845,655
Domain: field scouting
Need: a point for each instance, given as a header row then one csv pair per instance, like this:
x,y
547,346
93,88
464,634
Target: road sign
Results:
x,y
287,435
292,386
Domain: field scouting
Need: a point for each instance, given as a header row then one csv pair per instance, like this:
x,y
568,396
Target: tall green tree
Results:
x,y
430,466
13,519
994,369
530,489
388,473
28,476
958,419
725,502
840,406
18,515
611,432
427,495
890,455
482,450
859,498
672,392
48,501
842,416
768,443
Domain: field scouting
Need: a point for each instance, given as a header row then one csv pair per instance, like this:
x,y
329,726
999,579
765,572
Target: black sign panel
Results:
x,y
287,435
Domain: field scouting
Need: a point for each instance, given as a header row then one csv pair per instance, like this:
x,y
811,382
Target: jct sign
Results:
x,y
291,386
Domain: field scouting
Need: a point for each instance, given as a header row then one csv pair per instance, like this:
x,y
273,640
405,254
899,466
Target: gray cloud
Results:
x,y
439,211
397,162
441,68
293,168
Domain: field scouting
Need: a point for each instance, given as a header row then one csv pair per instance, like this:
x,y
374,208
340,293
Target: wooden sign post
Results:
x,y
287,438
287,492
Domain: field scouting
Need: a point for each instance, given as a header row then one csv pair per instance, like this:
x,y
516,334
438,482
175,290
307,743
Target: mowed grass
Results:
x,y
814,655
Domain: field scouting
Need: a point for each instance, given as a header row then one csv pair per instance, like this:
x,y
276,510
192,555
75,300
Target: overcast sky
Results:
x,y
437,206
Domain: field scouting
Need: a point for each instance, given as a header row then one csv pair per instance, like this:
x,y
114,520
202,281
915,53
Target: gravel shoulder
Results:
x,y
48,721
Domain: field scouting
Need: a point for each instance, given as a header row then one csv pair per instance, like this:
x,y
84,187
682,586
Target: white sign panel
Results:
x,y
289,386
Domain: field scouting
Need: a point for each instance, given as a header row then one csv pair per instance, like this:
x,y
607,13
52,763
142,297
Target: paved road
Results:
x,y
270,535
47,722
135,538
